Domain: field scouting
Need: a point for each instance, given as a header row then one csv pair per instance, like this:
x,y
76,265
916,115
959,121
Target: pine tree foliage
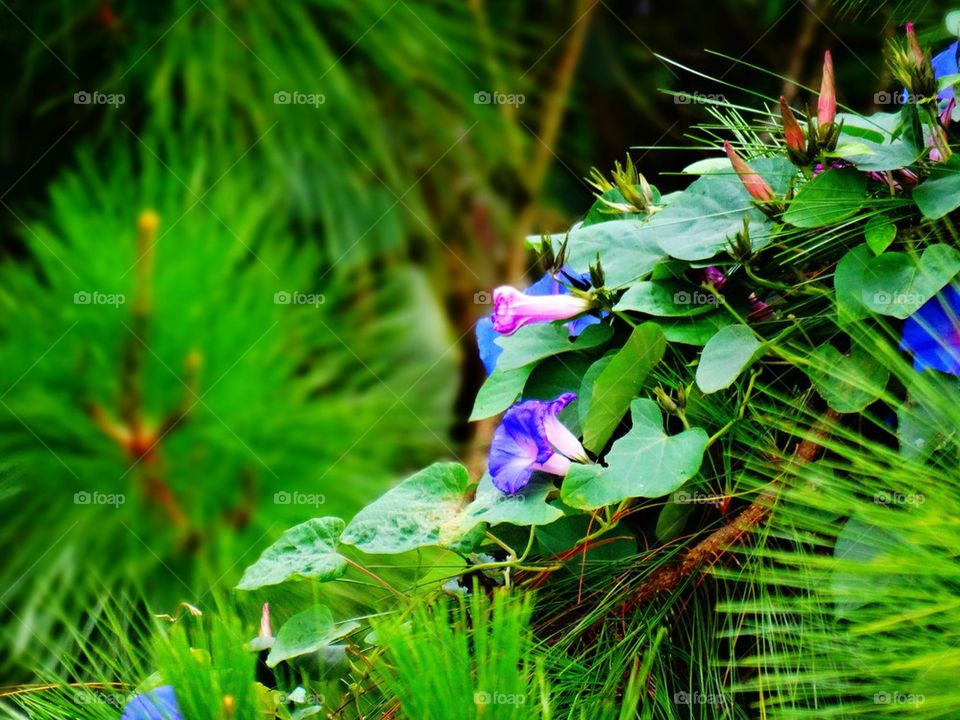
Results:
x,y
173,388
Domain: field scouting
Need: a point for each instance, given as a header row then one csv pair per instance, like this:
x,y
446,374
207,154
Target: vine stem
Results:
x,y
376,578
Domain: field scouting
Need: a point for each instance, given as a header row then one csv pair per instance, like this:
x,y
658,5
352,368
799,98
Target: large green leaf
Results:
x,y
646,462
305,632
696,331
425,509
527,507
535,342
847,383
499,391
848,281
666,299
873,143
940,193
585,396
898,284
695,225
832,196
705,217
859,544
619,382
725,356
879,232
306,550
672,520
626,253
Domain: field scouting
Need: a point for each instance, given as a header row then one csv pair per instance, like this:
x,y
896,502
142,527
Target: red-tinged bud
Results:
x,y
914,45
827,104
792,132
758,188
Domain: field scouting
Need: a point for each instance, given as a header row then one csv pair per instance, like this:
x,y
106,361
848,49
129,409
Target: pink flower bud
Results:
x,y
914,45
792,132
758,188
827,104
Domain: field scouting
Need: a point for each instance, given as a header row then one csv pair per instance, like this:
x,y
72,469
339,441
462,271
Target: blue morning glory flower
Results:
x,y
944,64
514,309
158,704
932,333
530,438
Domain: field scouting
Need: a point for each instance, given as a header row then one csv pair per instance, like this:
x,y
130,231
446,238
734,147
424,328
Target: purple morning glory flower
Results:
x,y
531,437
932,334
158,704
488,329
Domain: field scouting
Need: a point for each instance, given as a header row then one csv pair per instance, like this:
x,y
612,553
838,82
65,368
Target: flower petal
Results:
x,y
521,444
944,64
158,704
486,343
932,334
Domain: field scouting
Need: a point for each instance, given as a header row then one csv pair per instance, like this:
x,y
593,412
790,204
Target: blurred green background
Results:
x,y
244,246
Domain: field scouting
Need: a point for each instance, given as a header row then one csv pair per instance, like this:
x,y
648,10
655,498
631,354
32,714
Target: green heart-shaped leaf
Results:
x,y
940,193
847,383
697,331
527,507
626,253
879,232
499,391
646,462
700,222
304,633
535,342
308,550
830,197
898,284
874,143
848,281
663,299
727,354
425,509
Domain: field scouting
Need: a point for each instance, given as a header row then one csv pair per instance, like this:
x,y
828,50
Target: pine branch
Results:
x,y
715,547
